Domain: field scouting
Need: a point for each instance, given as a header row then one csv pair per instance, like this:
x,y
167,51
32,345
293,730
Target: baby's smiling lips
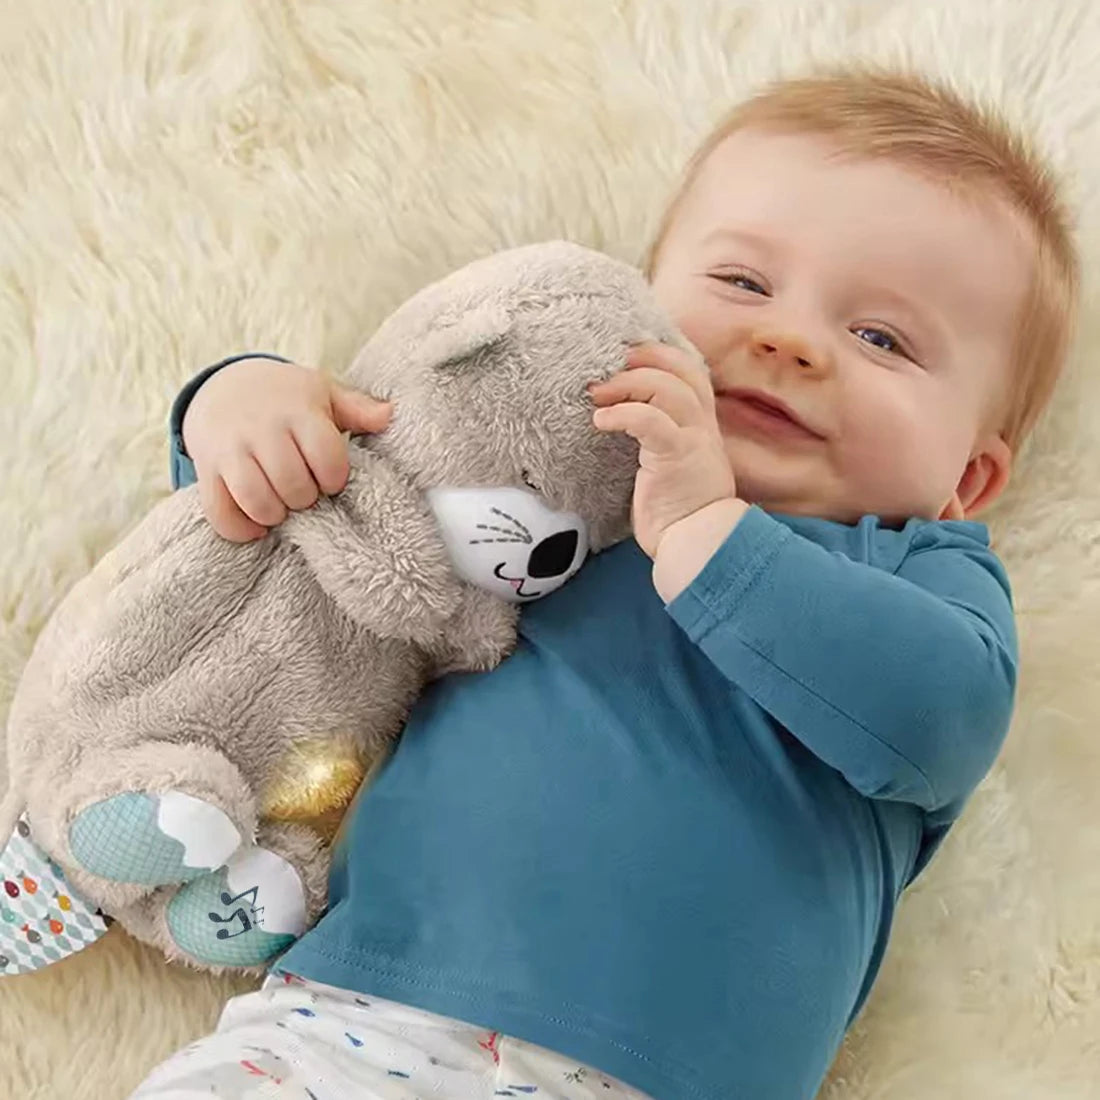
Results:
x,y
758,412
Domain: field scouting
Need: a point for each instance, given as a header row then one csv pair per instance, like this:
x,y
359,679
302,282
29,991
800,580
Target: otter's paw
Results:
x,y
242,915
152,839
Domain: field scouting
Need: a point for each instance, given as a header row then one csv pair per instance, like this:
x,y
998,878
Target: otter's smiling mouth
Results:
x,y
516,582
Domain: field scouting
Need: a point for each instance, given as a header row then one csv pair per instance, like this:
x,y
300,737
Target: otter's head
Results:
x,y
489,371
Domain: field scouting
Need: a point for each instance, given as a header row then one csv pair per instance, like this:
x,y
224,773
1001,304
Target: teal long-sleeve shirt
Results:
x,y
669,841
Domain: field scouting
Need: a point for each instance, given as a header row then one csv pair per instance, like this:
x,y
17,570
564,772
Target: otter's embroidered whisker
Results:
x,y
499,530
510,519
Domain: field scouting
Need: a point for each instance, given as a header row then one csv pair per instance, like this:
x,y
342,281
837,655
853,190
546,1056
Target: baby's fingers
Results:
x,y
654,430
223,514
252,492
357,412
676,362
286,470
653,387
324,450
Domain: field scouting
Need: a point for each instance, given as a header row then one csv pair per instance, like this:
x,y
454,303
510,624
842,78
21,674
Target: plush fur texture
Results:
x,y
184,180
190,664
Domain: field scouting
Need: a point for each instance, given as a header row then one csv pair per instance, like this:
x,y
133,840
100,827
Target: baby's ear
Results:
x,y
449,347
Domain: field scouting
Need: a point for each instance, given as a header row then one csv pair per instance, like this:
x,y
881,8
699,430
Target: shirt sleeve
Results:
x,y
902,681
182,468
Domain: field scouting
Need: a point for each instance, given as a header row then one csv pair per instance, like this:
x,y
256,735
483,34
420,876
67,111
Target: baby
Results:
x,y
658,851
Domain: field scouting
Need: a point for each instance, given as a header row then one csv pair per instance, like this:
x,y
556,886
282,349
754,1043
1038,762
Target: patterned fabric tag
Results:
x,y
41,919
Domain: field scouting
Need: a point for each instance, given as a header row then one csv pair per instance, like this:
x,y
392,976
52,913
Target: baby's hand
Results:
x,y
666,403
265,438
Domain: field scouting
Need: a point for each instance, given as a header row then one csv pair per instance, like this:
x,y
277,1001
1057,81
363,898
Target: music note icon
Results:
x,y
224,933
247,924
250,894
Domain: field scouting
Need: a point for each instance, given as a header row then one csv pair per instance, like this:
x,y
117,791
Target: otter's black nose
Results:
x,y
553,556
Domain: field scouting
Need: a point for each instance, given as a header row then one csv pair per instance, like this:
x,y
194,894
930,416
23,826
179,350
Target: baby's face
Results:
x,y
858,321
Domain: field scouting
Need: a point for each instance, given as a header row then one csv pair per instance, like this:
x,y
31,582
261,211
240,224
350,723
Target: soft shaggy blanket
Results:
x,y
183,179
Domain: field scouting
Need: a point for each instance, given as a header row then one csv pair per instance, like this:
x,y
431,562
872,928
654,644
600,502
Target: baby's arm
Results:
x,y
903,681
262,436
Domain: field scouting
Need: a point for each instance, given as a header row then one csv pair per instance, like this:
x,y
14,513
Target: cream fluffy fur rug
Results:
x,y
181,180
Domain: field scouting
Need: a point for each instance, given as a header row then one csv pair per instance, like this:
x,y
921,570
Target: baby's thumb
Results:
x,y
356,412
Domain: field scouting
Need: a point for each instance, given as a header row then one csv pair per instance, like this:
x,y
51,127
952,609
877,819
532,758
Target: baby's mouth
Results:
x,y
759,413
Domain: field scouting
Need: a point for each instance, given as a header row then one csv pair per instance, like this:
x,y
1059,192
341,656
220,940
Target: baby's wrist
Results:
x,y
687,545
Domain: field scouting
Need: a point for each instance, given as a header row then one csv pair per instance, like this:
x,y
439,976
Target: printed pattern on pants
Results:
x,y
300,1040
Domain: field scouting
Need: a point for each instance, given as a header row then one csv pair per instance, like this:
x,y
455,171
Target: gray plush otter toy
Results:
x,y
186,688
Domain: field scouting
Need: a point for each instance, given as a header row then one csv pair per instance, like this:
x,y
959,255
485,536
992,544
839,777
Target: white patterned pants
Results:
x,y
299,1040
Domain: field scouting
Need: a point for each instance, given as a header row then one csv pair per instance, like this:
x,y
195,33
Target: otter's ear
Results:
x,y
450,346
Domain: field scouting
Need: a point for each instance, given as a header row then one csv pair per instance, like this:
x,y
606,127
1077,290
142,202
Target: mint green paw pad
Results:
x,y
241,915
152,839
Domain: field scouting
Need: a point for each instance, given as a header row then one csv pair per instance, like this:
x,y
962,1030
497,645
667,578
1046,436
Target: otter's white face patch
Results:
x,y
508,541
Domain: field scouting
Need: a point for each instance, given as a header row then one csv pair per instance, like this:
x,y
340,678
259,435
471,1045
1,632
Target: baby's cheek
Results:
x,y
700,322
895,462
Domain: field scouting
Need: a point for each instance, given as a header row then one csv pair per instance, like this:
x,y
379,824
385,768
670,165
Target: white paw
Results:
x,y
208,837
280,890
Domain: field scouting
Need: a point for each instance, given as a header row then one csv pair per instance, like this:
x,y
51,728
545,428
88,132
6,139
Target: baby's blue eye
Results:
x,y
743,282
878,338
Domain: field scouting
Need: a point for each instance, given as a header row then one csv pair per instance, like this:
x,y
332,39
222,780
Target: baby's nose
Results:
x,y
788,349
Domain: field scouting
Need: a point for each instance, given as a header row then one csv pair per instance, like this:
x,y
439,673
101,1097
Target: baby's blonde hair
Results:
x,y
922,125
